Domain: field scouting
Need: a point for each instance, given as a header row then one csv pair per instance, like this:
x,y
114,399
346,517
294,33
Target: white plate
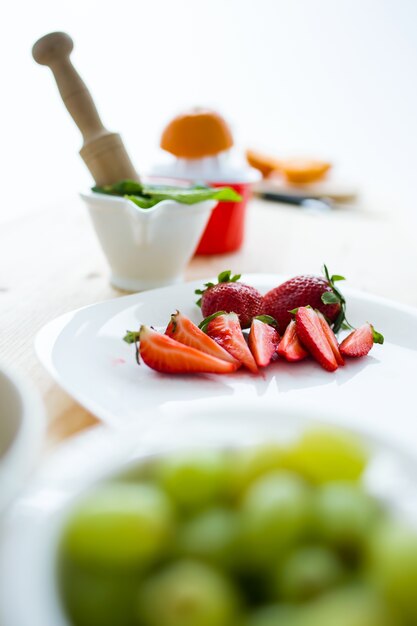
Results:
x,y
84,352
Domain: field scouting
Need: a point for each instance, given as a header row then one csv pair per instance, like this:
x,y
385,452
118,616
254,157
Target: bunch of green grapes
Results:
x,y
269,536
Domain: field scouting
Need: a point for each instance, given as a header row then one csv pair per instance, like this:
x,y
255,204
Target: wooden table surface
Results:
x,y
51,263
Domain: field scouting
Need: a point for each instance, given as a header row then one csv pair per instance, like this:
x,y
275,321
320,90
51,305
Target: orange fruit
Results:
x,y
265,164
196,134
300,171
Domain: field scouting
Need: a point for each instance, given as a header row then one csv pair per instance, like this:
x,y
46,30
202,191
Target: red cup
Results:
x,y
226,227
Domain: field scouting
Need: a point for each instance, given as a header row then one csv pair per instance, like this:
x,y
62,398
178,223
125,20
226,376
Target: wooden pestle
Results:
x,y
103,151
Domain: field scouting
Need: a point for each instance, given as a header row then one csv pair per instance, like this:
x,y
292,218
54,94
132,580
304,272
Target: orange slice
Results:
x,y
262,162
301,171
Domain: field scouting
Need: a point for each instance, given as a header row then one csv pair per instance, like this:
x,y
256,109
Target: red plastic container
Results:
x,y
226,227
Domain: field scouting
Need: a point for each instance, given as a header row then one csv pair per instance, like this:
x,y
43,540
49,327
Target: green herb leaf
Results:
x,y
267,319
190,195
122,188
140,201
149,195
376,336
203,325
329,297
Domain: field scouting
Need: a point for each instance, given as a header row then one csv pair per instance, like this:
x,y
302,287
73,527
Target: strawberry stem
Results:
x,y
335,296
133,336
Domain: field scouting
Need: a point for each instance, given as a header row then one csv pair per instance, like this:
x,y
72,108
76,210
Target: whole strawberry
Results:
x,y
319,292
232,297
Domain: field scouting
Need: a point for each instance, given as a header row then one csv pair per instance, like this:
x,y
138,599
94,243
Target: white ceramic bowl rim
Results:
x,y
94,197
38,560
20,455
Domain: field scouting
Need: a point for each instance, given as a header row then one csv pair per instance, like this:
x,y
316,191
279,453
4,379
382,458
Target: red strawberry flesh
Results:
x,y
185,331
233,297
164,354
359,342
313,338
331,338
226,331
290,347
263,342
300,291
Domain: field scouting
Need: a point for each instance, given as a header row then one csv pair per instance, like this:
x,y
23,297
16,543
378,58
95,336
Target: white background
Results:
x,y
328,78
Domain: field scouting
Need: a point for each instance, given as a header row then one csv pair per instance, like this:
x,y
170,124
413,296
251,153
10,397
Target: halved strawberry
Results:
x,y
360,341
164,354
263,341
290,347
225,329
331,338
183,330
311,334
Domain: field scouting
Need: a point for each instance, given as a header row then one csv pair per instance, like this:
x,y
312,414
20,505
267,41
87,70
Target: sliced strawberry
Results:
x,y
331,338
263,342
359,342
164,354
311,334
183,330
290,347
225,329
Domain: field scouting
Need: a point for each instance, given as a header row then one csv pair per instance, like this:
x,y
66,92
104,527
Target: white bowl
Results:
x,y
21,428
147,248
28,557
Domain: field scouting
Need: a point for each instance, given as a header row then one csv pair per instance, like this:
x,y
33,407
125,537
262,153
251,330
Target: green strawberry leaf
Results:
x,y
267,319
336,277
329,297
203,325
131,336
376,336
223,277
226,277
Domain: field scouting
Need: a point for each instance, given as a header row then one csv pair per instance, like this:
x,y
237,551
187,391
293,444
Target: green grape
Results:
x,y
211,536
393,566
187,593
275,515
327,454
119,526
307,572
274,615
250,464
344,515
104,599
348,607
194,481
